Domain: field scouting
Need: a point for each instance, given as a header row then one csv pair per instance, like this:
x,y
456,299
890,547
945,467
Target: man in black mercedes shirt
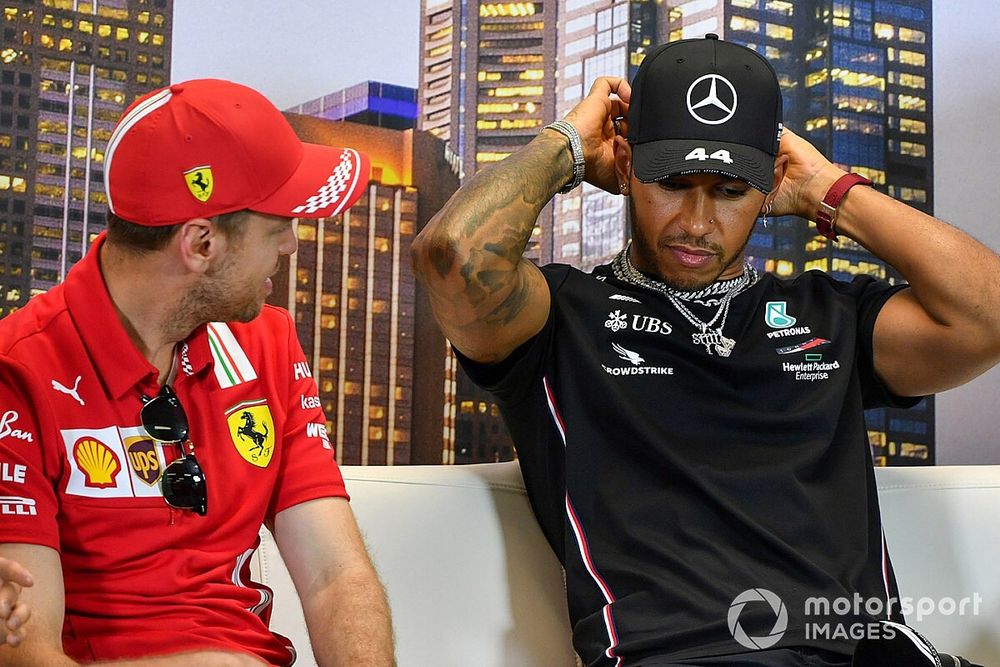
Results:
x,y
691,431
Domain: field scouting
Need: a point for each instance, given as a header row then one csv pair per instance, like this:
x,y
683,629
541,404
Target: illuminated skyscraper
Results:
x,y
486,88
856,81
69,69
595,39
369,337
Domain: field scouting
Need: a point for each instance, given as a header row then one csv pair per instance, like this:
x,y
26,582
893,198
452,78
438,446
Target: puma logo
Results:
x,y
60,387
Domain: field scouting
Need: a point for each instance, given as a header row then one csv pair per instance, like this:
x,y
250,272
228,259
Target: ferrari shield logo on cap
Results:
x,y
252,430
200,182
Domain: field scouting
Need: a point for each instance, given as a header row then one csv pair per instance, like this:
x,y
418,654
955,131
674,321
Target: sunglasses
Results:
x,y
182,482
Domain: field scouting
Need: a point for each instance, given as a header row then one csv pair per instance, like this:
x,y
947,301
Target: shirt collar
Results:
x,y
119,363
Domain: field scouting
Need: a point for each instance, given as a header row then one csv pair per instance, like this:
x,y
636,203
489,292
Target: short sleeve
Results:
x,y
29,468
510,379
308,468
871,295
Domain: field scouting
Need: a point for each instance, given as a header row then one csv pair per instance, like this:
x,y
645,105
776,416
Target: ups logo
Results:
x,y
144,461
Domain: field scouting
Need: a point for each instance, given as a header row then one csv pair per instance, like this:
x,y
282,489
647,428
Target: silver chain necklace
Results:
x,y
721,293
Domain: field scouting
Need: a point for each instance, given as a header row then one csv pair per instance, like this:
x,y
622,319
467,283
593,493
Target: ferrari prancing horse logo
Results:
x,y
252,430
200,182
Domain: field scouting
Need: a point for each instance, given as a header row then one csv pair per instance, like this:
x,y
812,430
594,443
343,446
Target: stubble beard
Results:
x,y
649,257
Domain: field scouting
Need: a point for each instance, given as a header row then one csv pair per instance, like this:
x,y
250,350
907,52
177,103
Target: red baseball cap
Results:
x,y
207,147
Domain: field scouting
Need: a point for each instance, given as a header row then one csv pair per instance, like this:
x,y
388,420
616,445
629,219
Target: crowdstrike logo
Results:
x,y
780,621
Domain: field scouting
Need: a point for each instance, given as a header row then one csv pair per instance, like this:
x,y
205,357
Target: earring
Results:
x,y
767,212
623,188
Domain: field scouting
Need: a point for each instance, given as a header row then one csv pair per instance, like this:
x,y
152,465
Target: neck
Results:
x,y
151,320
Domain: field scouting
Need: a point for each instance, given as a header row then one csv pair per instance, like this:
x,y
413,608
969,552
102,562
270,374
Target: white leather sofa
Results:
x,y
472,582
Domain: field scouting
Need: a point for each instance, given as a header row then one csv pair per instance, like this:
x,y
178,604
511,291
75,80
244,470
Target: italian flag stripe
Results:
x,y
232,367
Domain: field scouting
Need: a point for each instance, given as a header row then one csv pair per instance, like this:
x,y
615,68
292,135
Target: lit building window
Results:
x,y
776,31
912,80
531,74
104,30
779,6
815,265
488,76
885,31
816,123
305,232
912,149
507,9
519,123
746,4
744,23
912,58
912,102
784,268
815,78
490,156
913,194
912,126
87,27
911,35
517,91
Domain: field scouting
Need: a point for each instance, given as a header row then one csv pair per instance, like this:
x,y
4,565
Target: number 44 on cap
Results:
x,y
702,154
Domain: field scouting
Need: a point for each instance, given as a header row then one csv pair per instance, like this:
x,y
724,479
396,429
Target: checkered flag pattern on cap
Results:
x,y
342,180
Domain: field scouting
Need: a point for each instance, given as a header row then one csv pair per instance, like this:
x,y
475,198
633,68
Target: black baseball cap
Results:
x,y
705,105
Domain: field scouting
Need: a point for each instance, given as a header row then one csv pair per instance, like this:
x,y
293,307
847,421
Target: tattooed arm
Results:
x,y
487,298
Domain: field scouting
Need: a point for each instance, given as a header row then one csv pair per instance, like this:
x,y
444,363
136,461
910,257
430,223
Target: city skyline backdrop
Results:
x,y
966,92
278,57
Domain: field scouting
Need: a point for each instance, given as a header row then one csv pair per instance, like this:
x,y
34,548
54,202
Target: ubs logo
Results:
x,y
618,320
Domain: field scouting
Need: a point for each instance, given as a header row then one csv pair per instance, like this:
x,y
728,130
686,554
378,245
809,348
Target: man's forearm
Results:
x,y
349,622
480,234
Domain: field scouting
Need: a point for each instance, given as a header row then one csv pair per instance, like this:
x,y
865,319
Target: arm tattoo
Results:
x,y
484,228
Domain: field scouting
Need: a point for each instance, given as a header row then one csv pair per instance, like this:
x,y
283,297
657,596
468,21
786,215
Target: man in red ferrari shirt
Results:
x,y
154,413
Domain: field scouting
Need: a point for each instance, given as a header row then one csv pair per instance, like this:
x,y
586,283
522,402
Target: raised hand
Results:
x,y
594,118
808,177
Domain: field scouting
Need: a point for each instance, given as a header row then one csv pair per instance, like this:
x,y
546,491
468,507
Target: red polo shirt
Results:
x,y
79,474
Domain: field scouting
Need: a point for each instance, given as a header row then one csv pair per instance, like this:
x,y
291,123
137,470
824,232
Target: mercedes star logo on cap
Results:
x,y
707,109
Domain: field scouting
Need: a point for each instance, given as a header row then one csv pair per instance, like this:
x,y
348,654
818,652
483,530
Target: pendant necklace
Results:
x,y
721,292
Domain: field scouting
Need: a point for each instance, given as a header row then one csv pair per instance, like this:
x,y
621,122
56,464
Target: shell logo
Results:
x,y
99,464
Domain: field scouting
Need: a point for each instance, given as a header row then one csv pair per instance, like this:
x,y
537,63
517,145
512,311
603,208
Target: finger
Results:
x,y
9,593
12,571
16,637
19,617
